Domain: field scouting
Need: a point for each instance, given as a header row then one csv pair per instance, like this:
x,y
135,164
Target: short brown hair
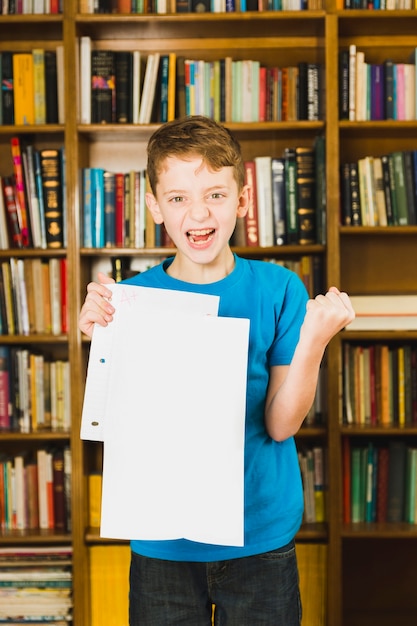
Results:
x,y
195,134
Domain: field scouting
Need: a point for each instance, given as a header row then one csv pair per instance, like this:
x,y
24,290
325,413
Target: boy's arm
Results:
x,y
292,388
96,308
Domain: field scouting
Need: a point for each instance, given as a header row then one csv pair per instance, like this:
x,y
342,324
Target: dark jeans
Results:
x,y
259,590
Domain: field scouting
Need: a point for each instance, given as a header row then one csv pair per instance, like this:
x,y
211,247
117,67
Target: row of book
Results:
x,y
32,87
33,198
376,91
380,384
288,200
380,5
380,190
29,7
35,392
379,482
195,6
287,206
35,491
126,87
33,296
313,471
36,585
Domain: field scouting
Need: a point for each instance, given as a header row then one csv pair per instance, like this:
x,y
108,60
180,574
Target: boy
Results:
x,y
196,174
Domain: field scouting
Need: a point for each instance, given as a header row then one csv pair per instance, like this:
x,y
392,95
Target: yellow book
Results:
x,y
94,499
172,70
312,567
24,109
39,94
109,585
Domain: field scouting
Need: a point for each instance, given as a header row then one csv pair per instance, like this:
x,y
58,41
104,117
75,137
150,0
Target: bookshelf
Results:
x,y
359,260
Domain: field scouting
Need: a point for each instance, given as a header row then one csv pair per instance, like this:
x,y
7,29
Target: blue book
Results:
x,y
98,207
87,204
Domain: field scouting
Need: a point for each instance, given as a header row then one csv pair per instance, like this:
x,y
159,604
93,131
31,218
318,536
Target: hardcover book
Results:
x,y
103,90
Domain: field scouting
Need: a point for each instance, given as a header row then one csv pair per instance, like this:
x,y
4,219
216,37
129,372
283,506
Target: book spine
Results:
x,y
23,91
50,164
12,215
20,190
278,200
123,65
291,195
109,185
51,87
7,89
39,86
103,93
306,200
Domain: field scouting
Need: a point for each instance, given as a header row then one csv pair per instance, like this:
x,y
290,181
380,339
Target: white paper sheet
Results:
x,y
133,299
174,421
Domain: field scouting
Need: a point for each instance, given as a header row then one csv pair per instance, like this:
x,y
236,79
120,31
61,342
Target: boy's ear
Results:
x,y
245,199
153,207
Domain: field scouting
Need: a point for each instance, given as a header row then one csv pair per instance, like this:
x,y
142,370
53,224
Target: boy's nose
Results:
x,y
199,210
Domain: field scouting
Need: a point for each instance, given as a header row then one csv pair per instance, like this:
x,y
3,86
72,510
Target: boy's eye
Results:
x,y
216,195
176,199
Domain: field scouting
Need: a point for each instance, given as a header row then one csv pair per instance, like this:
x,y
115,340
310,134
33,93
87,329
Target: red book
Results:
x,y
4,388
20,190
11,212
251,219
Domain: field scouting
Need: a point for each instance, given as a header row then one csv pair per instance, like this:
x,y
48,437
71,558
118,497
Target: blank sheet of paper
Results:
x,y
128,300
174,423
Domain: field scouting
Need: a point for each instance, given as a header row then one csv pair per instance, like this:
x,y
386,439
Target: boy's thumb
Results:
x,y
104,279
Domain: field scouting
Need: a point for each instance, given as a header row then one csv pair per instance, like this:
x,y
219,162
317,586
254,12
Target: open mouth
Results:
x,y
200,236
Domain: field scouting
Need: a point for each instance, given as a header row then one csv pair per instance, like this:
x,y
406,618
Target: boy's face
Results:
x,y
199,208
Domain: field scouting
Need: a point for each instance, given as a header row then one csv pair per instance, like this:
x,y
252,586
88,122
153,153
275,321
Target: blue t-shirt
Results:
x,y
274,300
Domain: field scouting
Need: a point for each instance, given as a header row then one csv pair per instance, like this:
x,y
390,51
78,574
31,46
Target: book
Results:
x,y
109,584
12,216
123,68
85,79
109,197
384,312
4,229
290,171
400,187
149,88
50,169
23,88
306,195
5,421
278,200
58,481
312,565
94,499
51,87
103,89
396,481
39,86
251,219
264,200
7,88
20,191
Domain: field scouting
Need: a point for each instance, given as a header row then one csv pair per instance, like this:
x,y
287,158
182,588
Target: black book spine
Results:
x,y
103,93
51,88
